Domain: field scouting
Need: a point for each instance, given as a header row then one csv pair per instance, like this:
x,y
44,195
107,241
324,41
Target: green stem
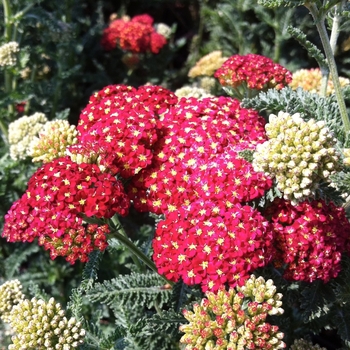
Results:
x,y
120,234
120,228
321,28
7,16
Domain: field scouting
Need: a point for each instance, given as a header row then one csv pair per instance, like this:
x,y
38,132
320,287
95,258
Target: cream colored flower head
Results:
x,y
207,65
192,91
311,80
8,53
53,140
163,29
42,325
10,295
21,133
298,154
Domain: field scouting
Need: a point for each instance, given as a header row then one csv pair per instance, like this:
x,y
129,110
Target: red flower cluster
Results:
x,y
254,71
310,238
51,209
196,157
136,35
210,244
120,125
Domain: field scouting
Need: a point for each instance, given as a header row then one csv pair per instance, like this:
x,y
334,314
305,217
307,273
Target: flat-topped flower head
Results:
x,y
230,319
298,154
207,65
192,91
8,53
311,80
53,140
42,325
10,295
212,245
310,239
59,195
22,132
249,74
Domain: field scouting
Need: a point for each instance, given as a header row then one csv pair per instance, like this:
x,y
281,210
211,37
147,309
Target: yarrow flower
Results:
x,y
120,126
207,65
298,154
197,154
250,74
311,80
53,139
346,153
136,35
59,194
8,53
302,344
211,245
10,295
310,239
21,133
42,325
235,319
163,29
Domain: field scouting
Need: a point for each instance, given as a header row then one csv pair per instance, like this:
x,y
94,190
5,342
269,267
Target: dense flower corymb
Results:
x,y
211,245
235,319
310,239
58,195
311,80
10,295
41,325
207,65
253,71
298,154
136,35
8,54
54,138
22,132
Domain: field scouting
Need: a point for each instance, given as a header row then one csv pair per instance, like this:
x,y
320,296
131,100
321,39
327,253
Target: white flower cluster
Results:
x,y
163,29
42,325
8,54
10,295
298,154
192,91
21,133
54,138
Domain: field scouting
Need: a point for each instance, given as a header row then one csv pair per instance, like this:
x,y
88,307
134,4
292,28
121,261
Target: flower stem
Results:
x,y
120,234
321,28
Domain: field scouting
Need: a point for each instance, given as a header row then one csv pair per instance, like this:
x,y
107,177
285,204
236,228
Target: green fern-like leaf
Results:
x,y
316,300
278,3
309,105
143,290
312,50
18,257
90,270
183,294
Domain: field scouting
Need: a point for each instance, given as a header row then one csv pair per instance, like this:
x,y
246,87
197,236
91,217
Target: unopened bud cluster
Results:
x,y
207,65
192,91
8,54
346,153
54,138
298,154
42,325
21,133
235,319
302,344
10,295
261,291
